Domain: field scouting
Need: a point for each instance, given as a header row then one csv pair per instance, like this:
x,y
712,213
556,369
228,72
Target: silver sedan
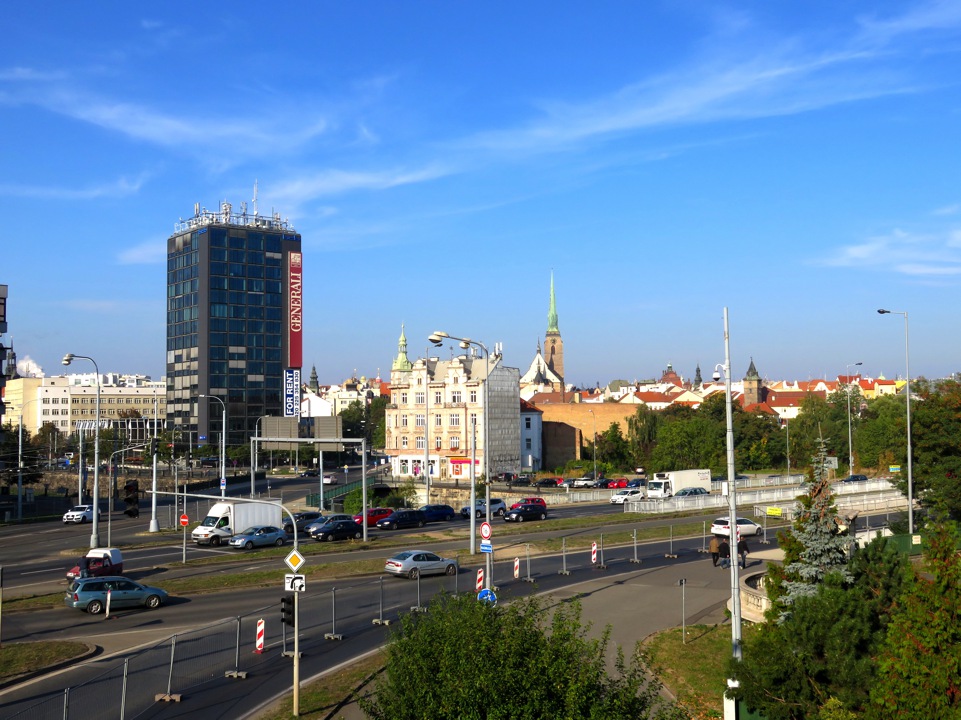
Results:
x,y
412,563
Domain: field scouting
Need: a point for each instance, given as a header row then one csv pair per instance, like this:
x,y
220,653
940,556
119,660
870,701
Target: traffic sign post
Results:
x,y
487,596
486,531
594,553
480,579
184,520
487,546
517,568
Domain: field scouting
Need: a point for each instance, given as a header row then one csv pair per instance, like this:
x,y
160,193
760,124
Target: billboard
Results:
x,y
292,392
295,302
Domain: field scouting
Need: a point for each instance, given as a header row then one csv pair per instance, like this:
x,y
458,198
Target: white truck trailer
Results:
x,y
229,517
666,484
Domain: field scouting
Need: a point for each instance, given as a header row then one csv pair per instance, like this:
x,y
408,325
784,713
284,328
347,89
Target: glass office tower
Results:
x,y
234,323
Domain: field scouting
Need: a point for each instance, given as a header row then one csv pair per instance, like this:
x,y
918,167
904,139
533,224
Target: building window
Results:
x,y
420,398
404,467
473,396
456,396
454,420
455,442
403,442
403,421
437,442
473,419
438,421
420,421
527,423
438,397
403,398
419,443
527,443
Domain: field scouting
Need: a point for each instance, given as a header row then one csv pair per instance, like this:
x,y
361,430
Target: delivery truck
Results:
x,y
666,484
229,517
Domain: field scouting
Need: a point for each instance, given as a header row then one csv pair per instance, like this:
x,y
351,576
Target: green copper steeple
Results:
x,y
401,363
552,311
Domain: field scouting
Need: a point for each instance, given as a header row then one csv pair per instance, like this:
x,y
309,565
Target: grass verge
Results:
x,y
19,658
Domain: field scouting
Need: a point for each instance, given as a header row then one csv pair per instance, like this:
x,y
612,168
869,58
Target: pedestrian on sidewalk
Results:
x,y
724,550
713,547
742,551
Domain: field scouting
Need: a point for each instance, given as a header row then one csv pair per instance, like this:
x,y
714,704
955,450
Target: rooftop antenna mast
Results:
x,y
255,198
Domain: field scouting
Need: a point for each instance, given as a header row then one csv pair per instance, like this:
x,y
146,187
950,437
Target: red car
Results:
x,y
530,501
618,483
373,515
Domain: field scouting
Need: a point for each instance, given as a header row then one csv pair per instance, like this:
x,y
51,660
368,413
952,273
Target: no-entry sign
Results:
x,y
184,520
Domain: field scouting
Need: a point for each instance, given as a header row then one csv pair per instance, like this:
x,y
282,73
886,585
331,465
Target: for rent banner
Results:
x,y
292,392
295,301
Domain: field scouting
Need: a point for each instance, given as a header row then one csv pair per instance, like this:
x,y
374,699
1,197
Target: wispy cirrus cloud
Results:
x,y
936,254
325,183
121,187
149,252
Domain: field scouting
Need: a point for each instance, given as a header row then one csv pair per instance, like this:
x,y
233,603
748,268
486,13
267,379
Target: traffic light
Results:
x,y
287,609
131,496
153,446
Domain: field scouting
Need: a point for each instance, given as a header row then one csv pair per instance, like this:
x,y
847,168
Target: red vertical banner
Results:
x,y
295,302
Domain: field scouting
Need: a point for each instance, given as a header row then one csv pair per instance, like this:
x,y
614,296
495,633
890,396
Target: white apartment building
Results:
x,y
437,409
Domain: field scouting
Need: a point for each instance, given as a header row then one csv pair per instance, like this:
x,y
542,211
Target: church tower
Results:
x,y
401,363
752,386
553,343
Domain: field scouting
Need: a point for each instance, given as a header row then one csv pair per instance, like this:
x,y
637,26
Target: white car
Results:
x,y
623,496
583,482
78,514
330,480
498,507
722,526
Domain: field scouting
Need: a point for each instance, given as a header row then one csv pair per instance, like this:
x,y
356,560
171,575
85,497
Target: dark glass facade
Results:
x,y
228,326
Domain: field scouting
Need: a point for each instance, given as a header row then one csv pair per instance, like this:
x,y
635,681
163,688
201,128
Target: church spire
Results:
x,y
401,363
552,310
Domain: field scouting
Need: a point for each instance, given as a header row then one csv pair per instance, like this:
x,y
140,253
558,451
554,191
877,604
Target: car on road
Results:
x,y
402,518
528,511
97,563
78,514
549,482
344,529
330,479
324,519
722,526
582,482
691,492
520,481
530,501
302,520
437,513
855,478
90,594
602,483
412,563
636,483
617,483
373,515
626,495
310,473
258,536
498,507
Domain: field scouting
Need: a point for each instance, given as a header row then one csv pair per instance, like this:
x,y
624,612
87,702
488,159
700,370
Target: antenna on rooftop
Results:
x,y
255,198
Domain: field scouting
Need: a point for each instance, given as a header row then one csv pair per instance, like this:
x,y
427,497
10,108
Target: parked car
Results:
x,y
691,492
625,495
498,507
411,563
436,513
402,519
258,536
530,501
528,511
338,530
856,478
373,515
549,482
324,519
602,483
302,520
310,473
566,482
90,594
520,481
618,483
636,483
722,526
582,482
78,514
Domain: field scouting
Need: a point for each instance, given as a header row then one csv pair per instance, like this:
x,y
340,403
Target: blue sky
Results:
x,y
796,162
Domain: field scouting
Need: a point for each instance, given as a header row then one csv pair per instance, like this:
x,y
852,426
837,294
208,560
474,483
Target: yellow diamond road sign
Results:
x,y
295,560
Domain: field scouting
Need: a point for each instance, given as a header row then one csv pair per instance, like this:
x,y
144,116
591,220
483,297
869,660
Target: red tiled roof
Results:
x,y
529,407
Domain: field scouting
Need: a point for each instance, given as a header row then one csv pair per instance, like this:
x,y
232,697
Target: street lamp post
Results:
x,y
594,442
154,525
847,370
95,525
223,444
437,338
907,371
730,710
20,463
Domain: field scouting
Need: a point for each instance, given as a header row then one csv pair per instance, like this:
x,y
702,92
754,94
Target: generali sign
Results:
x,y
295,284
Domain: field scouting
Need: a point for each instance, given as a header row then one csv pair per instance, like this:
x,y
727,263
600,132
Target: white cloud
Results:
x,y
149,252
948,209
28,367
333,182
119,188
906,253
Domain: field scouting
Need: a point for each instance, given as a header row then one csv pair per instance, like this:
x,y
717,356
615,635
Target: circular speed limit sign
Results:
x,y
486,530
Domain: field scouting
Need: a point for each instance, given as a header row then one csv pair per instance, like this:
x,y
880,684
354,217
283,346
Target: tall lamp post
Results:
x,y
907,371
594,441
730,709
95,525
437,338
847,370
223,443
20,463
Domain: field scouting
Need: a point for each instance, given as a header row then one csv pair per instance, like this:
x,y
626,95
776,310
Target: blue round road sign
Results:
x,y
487,596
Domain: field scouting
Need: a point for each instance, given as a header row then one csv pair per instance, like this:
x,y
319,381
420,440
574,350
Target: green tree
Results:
x,y
612,448
642,428
433,669
689,443
936,427
880,437
919,668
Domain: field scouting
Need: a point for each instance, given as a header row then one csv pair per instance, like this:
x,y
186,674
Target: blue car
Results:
x,y
438,513
258,536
